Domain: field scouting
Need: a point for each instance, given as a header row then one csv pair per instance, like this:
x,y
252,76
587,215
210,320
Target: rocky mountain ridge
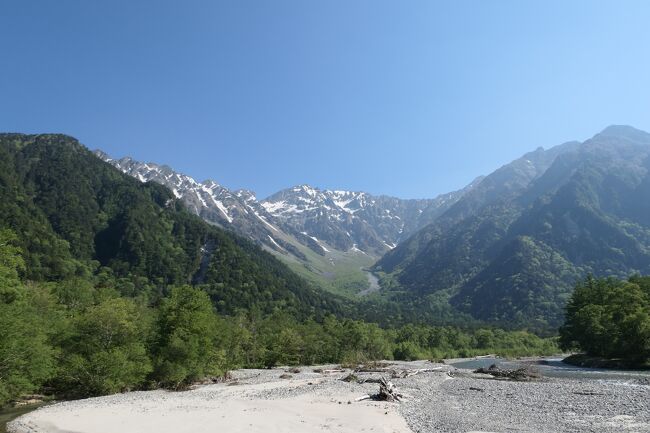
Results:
x,y
321,220
355,220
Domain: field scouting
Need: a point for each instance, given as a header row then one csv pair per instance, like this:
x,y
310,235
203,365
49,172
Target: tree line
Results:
x,y
88,335
609,318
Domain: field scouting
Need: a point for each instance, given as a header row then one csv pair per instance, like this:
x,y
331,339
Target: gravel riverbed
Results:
x,y
445,400
471,402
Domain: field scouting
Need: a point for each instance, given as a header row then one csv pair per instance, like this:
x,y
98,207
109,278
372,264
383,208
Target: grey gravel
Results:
x,y
453,400
468,402
456,400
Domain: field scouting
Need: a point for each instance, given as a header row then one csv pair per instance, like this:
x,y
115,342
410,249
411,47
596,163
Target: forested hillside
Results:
x,y
512,248
76,215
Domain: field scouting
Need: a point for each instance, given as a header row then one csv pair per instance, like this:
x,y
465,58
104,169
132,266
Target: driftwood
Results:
x,y
354,378
370,380
403,374
520,374
373,367
394,374
387,391
331,371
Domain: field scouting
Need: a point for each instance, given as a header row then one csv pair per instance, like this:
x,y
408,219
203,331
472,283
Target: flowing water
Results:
x,y
554,367
11,413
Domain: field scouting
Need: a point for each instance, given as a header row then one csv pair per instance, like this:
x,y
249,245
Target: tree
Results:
x,y
11,263
26,358
185,349
106,351
609,318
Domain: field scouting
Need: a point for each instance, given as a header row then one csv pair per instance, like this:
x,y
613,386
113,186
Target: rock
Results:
x,y
520,374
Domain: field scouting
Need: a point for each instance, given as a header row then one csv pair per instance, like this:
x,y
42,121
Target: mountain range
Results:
x,y
319,219
327,236
76,218
511,249
506,249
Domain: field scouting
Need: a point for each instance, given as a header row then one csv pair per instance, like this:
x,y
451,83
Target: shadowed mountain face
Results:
x,y
511,249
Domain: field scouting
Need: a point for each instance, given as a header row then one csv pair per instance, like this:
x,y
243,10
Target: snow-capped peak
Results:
x,y
318,218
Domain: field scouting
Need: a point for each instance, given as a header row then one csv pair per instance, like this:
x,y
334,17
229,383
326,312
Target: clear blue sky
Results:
x,y
409,98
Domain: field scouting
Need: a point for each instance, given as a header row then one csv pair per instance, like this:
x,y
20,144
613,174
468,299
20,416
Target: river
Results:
x,y
373,284
554,367
11,413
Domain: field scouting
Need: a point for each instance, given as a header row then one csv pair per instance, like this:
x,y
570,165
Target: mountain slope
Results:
x,y
511,249
75,214
355,220
328,237
339,219
216,204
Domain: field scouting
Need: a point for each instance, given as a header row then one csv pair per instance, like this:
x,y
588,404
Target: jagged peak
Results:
x,y
308,189
209,183
246,194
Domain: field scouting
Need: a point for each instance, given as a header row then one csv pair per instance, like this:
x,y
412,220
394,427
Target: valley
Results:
x,y
321,217
328,237
114,278
521,236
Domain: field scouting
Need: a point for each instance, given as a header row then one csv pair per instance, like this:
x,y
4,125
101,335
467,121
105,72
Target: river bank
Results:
x,y
7,414
442,399
582,360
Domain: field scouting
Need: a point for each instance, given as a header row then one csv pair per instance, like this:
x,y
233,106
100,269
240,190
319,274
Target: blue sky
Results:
x,y
409,98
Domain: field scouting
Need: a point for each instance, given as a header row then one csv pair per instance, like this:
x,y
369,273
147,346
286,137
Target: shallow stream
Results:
x,y
554,367
11,413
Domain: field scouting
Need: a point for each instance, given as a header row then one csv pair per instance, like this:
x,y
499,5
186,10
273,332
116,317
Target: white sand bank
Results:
x,y
276,406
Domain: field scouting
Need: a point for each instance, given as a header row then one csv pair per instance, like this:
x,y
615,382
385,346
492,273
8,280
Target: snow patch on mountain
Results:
x,y
318,219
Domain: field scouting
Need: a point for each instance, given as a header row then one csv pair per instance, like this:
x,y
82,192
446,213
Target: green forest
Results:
x,y
610,319
83,337
108,284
